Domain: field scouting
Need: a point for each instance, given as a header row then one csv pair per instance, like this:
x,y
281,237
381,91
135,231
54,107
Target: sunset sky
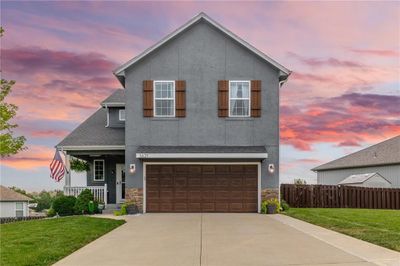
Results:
x,y
343,94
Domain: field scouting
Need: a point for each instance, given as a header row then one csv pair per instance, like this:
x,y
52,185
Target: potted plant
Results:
x,y
131,207
270,206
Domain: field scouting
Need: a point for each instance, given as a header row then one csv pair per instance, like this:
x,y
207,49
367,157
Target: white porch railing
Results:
x,y
99,192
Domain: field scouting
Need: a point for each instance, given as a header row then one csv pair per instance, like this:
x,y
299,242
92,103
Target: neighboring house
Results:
x,y
195,129
382,158
13,204
366,180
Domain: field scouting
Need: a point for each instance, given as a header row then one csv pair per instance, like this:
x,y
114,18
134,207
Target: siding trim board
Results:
x,y
201,155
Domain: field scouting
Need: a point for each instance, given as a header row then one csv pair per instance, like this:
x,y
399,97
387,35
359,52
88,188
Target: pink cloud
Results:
x,y
385,53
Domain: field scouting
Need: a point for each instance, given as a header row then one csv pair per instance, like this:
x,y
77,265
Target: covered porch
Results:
x,y
104,177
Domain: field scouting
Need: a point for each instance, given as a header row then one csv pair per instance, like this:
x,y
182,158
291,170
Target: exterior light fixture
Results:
x,y
132,168
271,168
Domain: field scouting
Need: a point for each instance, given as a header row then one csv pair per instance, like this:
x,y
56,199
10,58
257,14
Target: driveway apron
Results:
x,y
208,239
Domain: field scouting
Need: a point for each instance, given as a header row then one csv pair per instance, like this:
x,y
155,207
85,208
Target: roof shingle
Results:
x,y
7,194
383,153
93,131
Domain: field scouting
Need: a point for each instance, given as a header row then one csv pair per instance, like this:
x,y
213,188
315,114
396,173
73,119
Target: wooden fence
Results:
x,y
325,196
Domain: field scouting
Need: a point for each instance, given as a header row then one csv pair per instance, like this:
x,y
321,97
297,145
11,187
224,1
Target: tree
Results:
x,y
299,181
9,144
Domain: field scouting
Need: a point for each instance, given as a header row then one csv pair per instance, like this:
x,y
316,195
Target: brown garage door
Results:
x,y
201,188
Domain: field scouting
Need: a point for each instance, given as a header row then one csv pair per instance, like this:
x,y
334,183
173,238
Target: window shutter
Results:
x,y
180,98
256,98
147,98
223,98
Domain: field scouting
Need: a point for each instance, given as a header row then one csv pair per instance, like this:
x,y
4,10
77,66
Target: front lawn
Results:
x,y
43,242
381,227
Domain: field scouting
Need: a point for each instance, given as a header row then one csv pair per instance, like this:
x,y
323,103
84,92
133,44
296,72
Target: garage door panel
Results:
x,y
222,207
201,188
180,181
194,181
181,207
208,207
236,182
236,207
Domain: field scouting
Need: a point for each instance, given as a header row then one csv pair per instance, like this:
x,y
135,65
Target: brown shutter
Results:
x,y
256,98
180,98
147,98
223,98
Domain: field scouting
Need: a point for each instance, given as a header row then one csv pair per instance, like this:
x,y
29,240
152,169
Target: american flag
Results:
x,y
57,168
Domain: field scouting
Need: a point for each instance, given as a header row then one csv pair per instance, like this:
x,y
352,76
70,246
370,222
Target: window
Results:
x,y
19,209
239,98
121,114
98,170
164,98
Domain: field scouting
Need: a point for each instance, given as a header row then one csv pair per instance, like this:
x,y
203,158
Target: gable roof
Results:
x,y
360,178
119,72
93,132
7,194
383,153
116,99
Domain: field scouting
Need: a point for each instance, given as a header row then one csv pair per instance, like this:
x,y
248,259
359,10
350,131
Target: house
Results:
x,y
382,159
194,129
12,203
366,180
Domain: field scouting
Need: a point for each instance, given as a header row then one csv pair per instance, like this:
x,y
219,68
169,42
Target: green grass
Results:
x,y
381,227
43,242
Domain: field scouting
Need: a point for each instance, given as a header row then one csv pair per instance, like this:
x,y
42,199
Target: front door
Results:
x,y
120,183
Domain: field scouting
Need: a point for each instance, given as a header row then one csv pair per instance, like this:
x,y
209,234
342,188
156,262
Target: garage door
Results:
x,y
201,188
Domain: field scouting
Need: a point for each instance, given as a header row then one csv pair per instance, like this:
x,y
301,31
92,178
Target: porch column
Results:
x,y
68,170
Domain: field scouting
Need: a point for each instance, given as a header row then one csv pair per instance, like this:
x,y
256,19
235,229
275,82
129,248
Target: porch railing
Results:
x,y
99,192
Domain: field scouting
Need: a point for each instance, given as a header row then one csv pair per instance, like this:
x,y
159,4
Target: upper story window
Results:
x,y
121,114
164,98
239,98
19,209
98,170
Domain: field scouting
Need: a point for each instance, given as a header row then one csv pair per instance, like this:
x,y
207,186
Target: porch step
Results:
x,y
110,208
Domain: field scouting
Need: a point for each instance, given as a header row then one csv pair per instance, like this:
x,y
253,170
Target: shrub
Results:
x,y
270,202
284,205
64,205
51,212
44,201
82,202
264,207
122,211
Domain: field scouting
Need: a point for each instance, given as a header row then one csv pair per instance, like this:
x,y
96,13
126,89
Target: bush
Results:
x,y
82,202
122,211
284,205
51,212
270,202
44,201
64,205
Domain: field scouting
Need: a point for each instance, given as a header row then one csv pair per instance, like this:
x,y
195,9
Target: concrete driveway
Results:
x,y
209,239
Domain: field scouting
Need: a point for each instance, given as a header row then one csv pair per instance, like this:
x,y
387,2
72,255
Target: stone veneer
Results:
x,y
269,193
135,195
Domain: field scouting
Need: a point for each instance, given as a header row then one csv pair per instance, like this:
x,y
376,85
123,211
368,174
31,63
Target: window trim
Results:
x,y
94,170
119,115
229,99
154,99
22,209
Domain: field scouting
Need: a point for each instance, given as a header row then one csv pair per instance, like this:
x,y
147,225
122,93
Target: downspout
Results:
x,y
279,133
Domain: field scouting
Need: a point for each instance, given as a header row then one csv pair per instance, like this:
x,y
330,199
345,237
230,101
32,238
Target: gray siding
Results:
x,y
110,175
113,117
202,56
333,177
